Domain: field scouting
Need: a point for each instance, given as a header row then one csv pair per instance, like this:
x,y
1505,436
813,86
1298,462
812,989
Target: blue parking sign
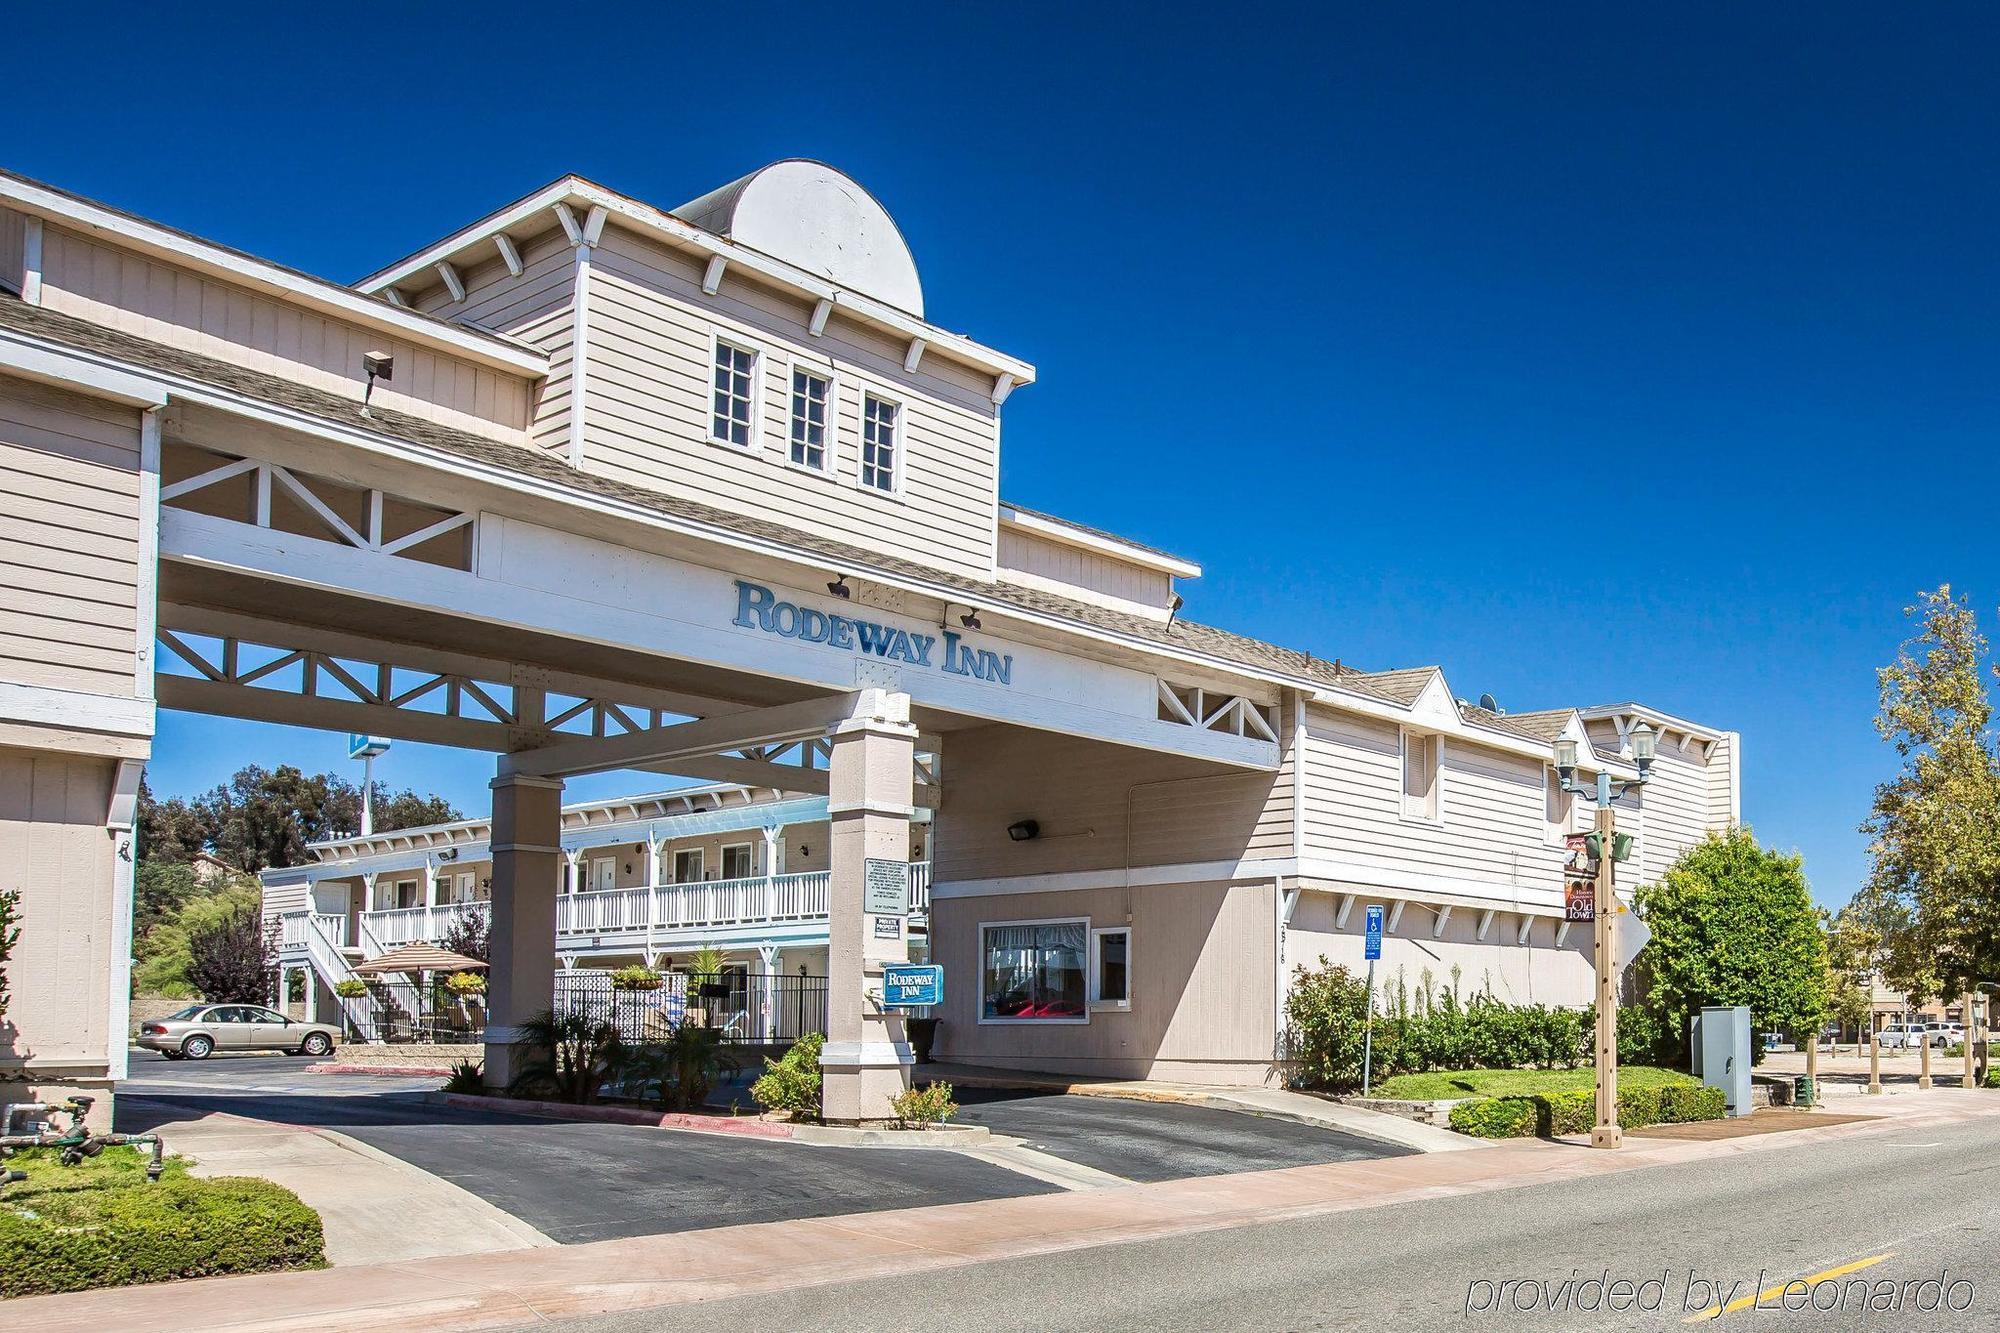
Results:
x,y
1374,933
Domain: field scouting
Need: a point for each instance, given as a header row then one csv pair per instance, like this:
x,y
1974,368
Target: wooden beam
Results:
x,y
452,282
1346,910
593,224
821,310
1527,927
686,740
914,357
1562,932
711,280
571,227
395,297
1485,922
1438,925
510,254
1395,917
1003,384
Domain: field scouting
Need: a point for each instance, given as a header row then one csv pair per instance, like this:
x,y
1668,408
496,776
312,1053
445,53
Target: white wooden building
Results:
x,y
591,484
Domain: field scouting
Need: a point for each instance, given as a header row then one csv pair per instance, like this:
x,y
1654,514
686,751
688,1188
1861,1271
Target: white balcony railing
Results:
x,y
722,902
292,928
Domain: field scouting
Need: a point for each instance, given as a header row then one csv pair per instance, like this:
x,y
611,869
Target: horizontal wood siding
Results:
x,y
1676,817
1079,792
1722,800
1203,984
1538,972
1084,575
1492,830
52,841
155,300
69,540
649,413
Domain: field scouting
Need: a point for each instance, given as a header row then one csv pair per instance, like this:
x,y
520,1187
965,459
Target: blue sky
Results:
x,y
1593,357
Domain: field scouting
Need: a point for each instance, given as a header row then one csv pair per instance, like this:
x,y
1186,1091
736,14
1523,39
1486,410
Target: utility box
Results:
x,y
1719,1038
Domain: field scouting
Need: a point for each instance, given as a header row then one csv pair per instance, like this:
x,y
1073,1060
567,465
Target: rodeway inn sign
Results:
x,y
758,608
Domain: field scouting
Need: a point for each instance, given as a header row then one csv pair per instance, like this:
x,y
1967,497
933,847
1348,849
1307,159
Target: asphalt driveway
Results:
x,y
1149,1141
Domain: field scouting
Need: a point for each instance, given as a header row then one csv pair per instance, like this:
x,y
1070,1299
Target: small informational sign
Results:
x,y
1579,900
1374,933
365,747
888,927
885,887
912,984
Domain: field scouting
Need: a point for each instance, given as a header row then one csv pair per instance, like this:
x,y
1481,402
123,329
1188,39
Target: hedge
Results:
x,y
101,1224
1576,1112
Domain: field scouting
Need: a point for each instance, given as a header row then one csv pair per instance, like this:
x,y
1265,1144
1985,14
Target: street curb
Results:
x,y
404,1071
950,1138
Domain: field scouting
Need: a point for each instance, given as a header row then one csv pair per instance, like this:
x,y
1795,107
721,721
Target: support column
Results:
x,y
767,965
526,842
866,1060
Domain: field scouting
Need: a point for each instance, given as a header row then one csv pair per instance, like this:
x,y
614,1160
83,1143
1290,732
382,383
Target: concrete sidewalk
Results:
x,y
376,1209
500,1290
1277,1103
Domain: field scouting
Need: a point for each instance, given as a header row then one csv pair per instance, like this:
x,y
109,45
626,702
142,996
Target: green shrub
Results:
x,y
101,1224
1993,1076
678,1071
1682,1105
924,1107
791,1082
1326,1011
1495,1117
465,984
568,1056
1638,1107
350,988
1566,1112
637,977
466,1077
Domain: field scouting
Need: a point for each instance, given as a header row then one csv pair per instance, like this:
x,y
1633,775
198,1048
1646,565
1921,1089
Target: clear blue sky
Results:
x,y
1593,357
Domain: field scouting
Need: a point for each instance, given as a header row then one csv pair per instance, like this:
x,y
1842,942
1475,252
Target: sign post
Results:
x,y
365,748
1372,952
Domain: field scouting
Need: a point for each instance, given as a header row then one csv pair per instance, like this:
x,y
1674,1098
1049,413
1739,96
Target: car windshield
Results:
x,y
187,1014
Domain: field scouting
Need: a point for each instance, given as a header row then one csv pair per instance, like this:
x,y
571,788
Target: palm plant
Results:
x,y
681,1070
570,1054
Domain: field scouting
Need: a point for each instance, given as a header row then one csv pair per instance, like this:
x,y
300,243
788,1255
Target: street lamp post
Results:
x,y
1606,1134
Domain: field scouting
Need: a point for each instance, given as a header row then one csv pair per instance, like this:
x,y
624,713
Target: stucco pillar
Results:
x,y
527,855
867,1059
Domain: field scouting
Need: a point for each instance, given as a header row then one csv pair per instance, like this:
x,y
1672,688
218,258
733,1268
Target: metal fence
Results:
x,y
749,1007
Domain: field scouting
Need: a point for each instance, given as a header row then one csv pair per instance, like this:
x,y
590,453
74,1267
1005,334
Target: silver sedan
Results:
x,y
200,1030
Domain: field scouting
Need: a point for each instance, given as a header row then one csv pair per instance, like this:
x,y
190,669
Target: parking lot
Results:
x,y
579,1182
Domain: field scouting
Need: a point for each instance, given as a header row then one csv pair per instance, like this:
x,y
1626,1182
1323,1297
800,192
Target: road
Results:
x,y
1929,1199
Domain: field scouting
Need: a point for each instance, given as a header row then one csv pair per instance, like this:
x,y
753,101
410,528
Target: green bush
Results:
x,y
1993,1076
466,1077
100,1224
924,1107
1495,1117
1326,1011
350,988
1566,1112
678,1071
637,977
1681,1105
791,1082
1638,1107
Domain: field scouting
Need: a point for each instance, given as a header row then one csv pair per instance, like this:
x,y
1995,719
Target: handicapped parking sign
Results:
x,y
1374,950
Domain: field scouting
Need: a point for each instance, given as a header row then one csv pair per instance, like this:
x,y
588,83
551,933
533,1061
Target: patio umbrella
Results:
x,y
418,958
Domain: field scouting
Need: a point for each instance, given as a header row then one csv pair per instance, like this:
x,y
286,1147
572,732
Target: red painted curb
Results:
x,y
439,1070
623,1115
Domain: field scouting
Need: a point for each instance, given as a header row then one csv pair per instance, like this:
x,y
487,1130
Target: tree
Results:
x,y
263,818
159,890
467,933
1733,923
234,959
10,935
165,956
1935,827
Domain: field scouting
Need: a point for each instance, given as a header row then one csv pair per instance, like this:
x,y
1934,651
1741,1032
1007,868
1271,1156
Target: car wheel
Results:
x,y
316,1045
197,1047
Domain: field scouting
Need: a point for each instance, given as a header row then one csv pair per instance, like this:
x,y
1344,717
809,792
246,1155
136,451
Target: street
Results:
x,y
1923,1197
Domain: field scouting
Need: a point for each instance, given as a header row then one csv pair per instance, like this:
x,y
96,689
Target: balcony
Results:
x,y
634,913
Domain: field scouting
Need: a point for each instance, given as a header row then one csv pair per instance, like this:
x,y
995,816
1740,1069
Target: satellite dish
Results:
x,y
1489,703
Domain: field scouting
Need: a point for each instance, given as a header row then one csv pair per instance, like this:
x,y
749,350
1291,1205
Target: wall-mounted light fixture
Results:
x,y
1026,830
375,365
839,587
448,854
1174,609
970,619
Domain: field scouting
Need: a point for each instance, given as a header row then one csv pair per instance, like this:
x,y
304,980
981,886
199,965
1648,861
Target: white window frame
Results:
x,y
979,963
1096,977
1558,808
899,462
700,856
717,340
793,365
1405,810
749,850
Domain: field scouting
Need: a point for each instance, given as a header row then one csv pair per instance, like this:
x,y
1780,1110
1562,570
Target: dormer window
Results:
x,y
735,395
812,405
881,442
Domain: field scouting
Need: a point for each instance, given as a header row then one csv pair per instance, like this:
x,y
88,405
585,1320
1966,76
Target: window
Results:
x,y
881,420
1032,971
688,866
737,863
735,394
1420,775
812,408
1111,968
1557,805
